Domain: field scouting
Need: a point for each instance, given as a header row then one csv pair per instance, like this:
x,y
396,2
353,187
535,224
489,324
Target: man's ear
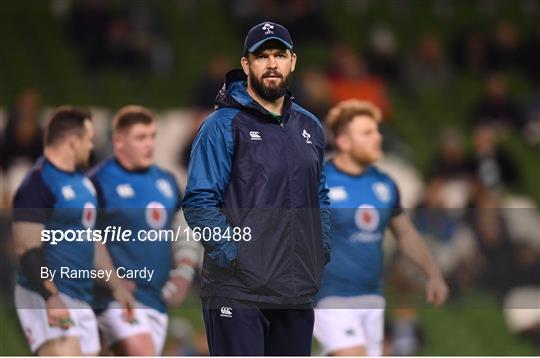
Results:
x,y
341,142
245,65
293,61
117,142
73,141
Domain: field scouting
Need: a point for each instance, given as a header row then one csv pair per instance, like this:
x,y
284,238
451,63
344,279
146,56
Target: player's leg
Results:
x,y
86,322
136,345
82,338
357,346
339,332
63,346
126,338
373,325
158,328
338,328
233,327
42,338
290,332
351,351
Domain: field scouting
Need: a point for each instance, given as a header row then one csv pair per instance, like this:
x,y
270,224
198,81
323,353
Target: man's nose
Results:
x,y
272,63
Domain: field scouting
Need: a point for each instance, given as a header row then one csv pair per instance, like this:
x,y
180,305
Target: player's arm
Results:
x,y
27,237
187,256
186,252
31,209
120,289
208,176
102,259
412,245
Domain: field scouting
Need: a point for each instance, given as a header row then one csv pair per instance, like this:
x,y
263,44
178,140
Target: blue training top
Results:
x,y
139,201
361,208
60,200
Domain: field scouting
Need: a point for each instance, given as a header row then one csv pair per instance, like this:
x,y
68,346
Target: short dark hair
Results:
x,y
64,121
130,115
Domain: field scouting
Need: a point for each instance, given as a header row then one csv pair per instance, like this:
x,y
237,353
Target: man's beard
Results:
x,y
272,92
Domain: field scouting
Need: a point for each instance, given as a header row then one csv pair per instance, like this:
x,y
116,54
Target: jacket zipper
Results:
x,y
290,208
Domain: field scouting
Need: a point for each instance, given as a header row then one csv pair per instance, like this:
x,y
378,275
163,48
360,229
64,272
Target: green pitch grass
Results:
x,y
473,325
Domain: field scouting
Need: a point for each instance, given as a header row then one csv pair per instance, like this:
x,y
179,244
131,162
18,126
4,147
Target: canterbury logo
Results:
x,y
255,135
226,312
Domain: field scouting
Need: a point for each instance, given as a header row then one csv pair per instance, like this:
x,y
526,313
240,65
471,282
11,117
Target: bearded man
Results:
x,y
256,183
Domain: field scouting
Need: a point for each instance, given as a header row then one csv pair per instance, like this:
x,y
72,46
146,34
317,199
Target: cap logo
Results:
x,y
267,28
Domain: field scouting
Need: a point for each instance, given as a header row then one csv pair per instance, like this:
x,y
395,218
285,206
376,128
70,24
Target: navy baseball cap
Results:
x,y
266,31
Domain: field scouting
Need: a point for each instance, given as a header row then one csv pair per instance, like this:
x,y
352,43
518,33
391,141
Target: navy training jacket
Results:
x,y
248,170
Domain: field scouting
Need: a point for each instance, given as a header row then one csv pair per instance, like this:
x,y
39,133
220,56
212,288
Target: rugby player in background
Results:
x,y
349,318
135,194
54,311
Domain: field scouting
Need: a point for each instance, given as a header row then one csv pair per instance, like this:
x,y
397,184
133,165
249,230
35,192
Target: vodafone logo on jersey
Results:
x,y
89,215
156,215
367,218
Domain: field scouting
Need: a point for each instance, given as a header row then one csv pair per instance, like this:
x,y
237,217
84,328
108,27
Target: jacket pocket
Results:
x,y
261,265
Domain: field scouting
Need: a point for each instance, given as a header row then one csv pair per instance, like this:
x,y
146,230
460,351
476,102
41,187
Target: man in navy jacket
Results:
x,y
257,200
